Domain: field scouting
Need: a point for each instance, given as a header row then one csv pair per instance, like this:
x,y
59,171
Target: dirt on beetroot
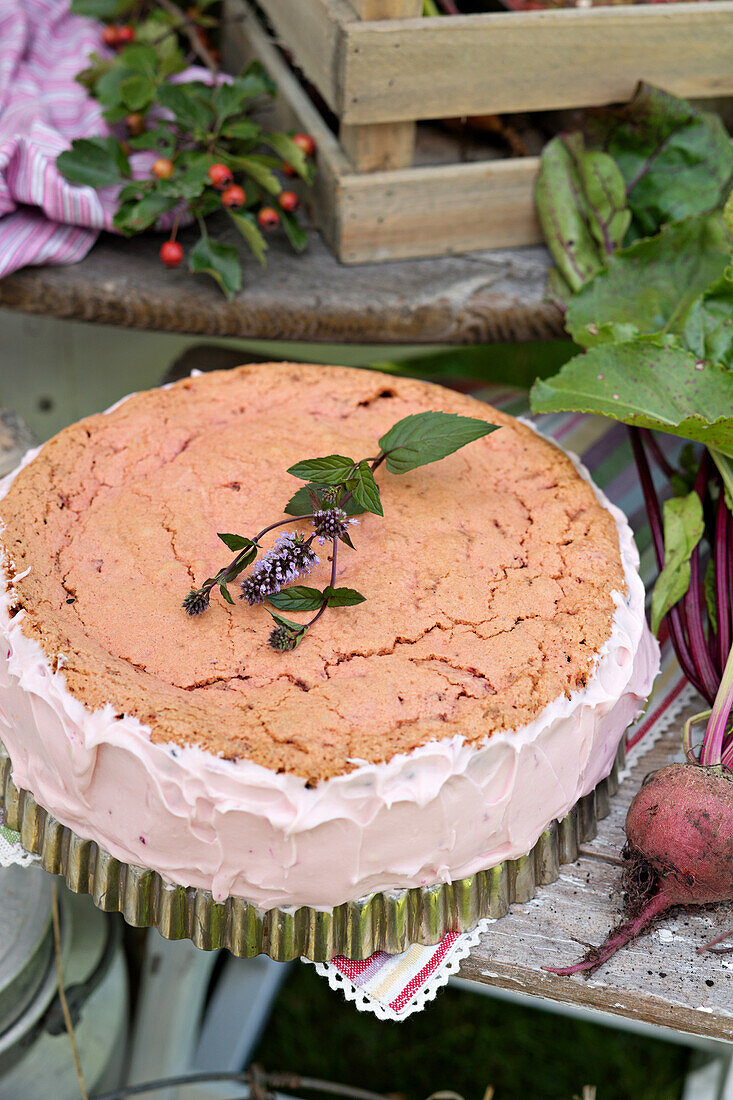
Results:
x,y
679,852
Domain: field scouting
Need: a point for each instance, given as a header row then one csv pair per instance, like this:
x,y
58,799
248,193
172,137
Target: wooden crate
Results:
x,y
380,68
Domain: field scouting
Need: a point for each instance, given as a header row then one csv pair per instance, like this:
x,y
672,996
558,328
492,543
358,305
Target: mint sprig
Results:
x,y
337,488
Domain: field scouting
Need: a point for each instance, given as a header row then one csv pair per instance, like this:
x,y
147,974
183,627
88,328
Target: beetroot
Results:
x,y
679,851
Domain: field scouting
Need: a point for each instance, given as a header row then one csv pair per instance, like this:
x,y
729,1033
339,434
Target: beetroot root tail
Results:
x,y
621,935
711,945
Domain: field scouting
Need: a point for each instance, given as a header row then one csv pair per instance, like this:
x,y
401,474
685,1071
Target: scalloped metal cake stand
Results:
x,y
389,921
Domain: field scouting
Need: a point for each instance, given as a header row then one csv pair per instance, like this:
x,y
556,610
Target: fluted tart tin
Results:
x,y
388,921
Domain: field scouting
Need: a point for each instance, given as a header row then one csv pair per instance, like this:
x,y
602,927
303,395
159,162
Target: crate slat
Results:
x,y
536,60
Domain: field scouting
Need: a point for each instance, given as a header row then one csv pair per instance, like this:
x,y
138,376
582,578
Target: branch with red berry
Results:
x,y
208,154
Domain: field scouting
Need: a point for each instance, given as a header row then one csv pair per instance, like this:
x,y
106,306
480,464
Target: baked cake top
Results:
x,y
489,582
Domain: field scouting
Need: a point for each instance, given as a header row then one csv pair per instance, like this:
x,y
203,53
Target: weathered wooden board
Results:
x,y
660,979
481,298
410,212
535,60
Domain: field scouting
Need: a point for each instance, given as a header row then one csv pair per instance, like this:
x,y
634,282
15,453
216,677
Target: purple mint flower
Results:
x,y
289,558
331,523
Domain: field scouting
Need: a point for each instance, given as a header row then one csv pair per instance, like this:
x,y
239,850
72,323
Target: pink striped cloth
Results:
x,y
44,219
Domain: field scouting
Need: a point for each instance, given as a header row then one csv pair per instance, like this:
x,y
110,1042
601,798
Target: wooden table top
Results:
x,y
484,297
659,979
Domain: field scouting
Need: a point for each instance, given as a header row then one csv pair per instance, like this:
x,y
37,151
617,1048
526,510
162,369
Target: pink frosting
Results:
x,y
440,812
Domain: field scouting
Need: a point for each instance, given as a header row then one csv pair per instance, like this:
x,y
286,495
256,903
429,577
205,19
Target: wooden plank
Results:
x,y
311,30
438,210
395,70
383,145
659,979
378,146
310,298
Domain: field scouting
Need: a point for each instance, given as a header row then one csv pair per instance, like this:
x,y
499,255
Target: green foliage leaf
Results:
x,y
137,92
220,261
684,526
581,202
132,217
281,621
260,170
675,158
225,593
725,469
428,437
297,598
707,327
102,9
246,223
255,81
343,597
648,383
651,285
331,470
294,230
189,105
94,162
286,148
242,129
301,504
243,560
365,489
234,542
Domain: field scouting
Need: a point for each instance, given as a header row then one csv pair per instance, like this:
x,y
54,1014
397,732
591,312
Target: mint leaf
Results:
x,y
234,542
297,598
94,162
247,226
649,383
342,597
221,261
301,503
652,284
427,437
365,490
684,526
581,202
225,593
281,621
293,230
331,470
675,158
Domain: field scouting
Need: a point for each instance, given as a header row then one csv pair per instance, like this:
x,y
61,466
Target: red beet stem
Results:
x,y
654,512
721,580
620,936
715,743
693,601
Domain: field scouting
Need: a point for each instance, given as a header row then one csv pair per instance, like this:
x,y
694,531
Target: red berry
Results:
x,y
162,169
110,35
288,169
135,124
268,218
306,143
233,195
288,200
125,35
171,253
220,176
